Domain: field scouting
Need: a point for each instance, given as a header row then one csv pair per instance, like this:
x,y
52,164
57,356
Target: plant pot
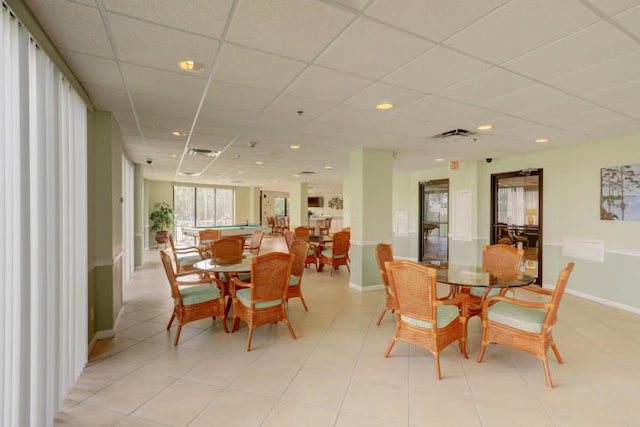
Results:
x,y
161,237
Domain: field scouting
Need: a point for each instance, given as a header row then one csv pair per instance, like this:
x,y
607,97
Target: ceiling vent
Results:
x,y
202,152
306,173
454,132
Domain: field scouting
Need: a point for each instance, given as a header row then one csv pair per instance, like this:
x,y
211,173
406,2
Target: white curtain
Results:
x,y
513,202
43,261
127,222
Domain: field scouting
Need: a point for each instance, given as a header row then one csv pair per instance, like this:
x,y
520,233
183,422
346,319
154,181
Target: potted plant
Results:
x,y
161,219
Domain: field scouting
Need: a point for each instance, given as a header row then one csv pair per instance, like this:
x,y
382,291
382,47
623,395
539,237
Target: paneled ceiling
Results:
x,y
309,73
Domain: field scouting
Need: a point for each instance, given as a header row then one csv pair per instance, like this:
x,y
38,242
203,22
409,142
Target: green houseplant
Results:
x,y
161,219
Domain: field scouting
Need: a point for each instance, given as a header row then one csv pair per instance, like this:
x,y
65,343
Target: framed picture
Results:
x,y
620,193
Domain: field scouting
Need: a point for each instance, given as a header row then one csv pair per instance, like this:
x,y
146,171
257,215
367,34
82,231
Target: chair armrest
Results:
x,y
460,300
237,283
202,281
537,290
518,302
186,250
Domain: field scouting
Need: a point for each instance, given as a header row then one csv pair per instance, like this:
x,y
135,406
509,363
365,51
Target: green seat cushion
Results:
x,y
312,251
245,277
188,260
478,292
192,295
445,315
329,253
293,280
244,296
522,318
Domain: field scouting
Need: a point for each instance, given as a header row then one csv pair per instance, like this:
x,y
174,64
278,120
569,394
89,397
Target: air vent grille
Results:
x,y
453,132
202,152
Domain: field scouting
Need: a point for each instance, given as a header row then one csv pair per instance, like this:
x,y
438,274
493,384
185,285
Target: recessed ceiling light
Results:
x,y
179,133
294,147
191,66
174,155
439,160
240,172
189,173
296,176
542,140
259,162
328,168
485,127
384,106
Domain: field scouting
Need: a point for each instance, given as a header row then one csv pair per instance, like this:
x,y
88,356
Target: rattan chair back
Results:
x,y
301,232
227,249
383,254
289,237
501,259
256,241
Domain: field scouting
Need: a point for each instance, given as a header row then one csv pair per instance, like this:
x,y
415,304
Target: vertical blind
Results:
x,y
43,215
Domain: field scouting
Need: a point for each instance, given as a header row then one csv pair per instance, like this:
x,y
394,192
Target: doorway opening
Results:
x,y
516,215
434,222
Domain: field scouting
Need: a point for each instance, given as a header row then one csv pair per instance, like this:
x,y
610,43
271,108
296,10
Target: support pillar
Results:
x,y
370,213
298,205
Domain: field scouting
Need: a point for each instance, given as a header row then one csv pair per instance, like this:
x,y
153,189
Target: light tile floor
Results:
x,y
335,373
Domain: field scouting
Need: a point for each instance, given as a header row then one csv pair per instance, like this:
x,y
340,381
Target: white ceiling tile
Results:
x,y
94,70
568,54
153,81
301,109
615,127
487,85
206,17
526,99
114,100
240,97
434,19
327,85
73,26
607,74
612,7
326,129
295,28
436,69
212,116
430,109
520,26
256,69
383,93
371,49
348,116
624,98
152,45
630,20
558,114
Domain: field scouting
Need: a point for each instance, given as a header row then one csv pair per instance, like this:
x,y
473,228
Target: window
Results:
x,y
281,206
202,207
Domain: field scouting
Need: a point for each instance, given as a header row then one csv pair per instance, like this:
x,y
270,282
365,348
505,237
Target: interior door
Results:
x,y
516,215
434,221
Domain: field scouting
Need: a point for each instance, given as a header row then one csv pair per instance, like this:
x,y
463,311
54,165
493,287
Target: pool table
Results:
x,y
226,230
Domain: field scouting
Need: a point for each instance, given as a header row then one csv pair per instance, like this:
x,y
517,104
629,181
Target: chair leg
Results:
x,y
391,344
304,304
173,316
178,334
437,363
293,334
547,372
381,316
249,339
555,351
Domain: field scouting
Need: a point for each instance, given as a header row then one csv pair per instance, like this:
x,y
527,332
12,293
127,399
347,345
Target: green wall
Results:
x,y
571,208
105,296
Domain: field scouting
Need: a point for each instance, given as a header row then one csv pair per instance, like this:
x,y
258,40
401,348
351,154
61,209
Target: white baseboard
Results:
x,y
365,288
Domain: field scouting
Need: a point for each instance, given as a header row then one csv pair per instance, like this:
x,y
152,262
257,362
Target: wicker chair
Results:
x,y
264,299
194,300
255,242
289,237
300,249
418,309
525,325
383,254
498,259
338,253
301,233
324,229
185,257
271,222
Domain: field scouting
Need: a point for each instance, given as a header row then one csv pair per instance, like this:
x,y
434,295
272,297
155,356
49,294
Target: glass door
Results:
x,y
434,221
516,215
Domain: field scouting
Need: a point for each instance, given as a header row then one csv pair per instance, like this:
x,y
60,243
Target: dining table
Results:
x,y
459,276
226,267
